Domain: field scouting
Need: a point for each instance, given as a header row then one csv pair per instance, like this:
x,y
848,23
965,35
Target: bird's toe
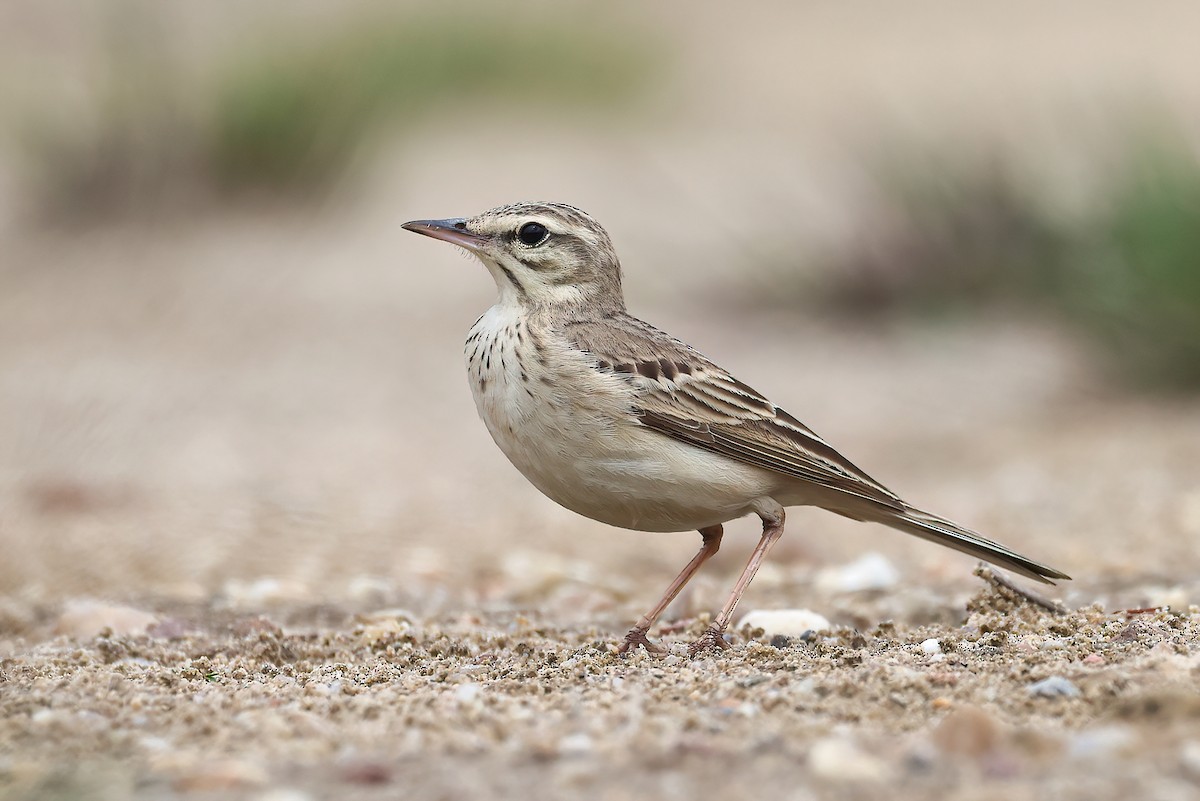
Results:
x,y
637,637
712,639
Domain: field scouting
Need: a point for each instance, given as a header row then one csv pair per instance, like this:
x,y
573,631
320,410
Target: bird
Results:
x,y
620,422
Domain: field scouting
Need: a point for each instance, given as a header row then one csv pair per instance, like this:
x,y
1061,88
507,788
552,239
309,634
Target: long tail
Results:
x,y
944,532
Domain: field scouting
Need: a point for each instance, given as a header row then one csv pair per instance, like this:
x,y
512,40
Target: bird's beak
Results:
x,y
453,230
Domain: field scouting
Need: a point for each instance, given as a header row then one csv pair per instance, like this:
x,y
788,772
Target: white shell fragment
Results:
x,y
788,622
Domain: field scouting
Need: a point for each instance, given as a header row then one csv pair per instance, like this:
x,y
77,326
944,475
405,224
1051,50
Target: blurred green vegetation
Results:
x,y
957,237
948,237
298,114
289,114
1136,284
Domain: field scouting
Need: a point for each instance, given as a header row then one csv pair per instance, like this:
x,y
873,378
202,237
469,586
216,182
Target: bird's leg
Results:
x,y
637,634
714,637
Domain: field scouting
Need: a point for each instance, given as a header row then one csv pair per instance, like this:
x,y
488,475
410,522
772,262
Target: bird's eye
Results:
x,y
532,233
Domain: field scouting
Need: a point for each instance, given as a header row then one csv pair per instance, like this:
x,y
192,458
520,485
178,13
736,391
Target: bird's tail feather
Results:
x,y
945,532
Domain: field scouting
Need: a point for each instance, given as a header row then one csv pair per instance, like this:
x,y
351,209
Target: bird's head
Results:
x,y
541,255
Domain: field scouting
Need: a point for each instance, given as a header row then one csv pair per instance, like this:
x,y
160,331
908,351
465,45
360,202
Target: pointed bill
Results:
x,y
453,230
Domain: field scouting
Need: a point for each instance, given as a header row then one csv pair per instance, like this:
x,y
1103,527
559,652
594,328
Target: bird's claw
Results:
x,y
637,637
712,639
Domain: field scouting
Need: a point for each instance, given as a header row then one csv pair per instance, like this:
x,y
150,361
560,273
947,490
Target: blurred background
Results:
x,y
961,243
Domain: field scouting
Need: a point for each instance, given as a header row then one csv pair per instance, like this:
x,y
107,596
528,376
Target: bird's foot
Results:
x,y
637,637
712,639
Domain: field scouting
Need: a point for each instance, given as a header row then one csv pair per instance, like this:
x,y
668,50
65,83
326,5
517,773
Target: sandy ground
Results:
x,y
256,544
502,705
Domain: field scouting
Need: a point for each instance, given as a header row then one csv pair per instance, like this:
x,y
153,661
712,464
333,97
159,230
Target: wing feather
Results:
x,y
683,395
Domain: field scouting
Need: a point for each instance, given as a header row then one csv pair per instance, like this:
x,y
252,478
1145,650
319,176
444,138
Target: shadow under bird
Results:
x,y
614,419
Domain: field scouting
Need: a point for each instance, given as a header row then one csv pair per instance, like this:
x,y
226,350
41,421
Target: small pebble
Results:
x,y
1189,756
466,693
393,615
366,771
578,744
364,589
969,731
1102,742
839,759
871,571
943,678
283,794
265,591
931,646
171,628
221,775
1054,687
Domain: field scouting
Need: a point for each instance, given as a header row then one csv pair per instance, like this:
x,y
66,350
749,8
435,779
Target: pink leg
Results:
x,y
714,637
637,634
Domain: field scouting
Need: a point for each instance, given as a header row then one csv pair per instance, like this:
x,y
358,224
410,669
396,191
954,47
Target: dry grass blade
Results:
x,y
1008,587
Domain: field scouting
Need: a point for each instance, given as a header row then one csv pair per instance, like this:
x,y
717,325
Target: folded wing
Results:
x,y
685,396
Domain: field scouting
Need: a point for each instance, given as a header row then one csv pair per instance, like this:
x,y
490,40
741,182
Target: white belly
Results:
x,y
563,424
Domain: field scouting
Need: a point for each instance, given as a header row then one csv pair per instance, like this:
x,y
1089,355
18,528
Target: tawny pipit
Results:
x,y
618,421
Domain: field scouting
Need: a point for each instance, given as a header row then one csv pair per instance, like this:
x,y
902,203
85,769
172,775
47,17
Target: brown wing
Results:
x,y
687,397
